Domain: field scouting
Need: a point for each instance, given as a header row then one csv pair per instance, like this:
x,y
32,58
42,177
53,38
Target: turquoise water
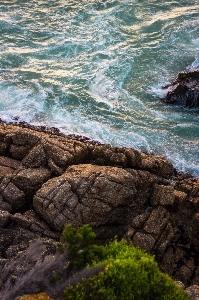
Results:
x,y
96,68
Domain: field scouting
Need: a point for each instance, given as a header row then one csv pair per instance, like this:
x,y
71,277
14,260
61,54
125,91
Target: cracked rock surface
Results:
x,y
48,180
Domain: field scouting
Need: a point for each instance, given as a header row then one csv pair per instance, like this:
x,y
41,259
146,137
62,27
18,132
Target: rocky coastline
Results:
x,y
48,180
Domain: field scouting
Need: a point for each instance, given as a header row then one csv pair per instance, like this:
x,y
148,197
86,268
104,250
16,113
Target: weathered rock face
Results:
x,y
184,90
48,180
97,195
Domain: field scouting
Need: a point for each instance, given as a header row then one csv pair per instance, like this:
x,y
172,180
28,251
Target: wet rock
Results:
x,y
133,157
184,90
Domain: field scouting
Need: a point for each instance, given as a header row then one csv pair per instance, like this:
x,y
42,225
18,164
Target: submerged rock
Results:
x,y
184,90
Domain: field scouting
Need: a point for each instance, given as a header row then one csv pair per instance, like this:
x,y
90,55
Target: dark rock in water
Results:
x,y
184,90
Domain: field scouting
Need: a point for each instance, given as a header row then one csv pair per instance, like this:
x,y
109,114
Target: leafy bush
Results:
x,y
128,272
78,246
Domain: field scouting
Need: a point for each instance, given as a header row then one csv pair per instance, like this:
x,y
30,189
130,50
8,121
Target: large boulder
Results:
x,y
97,195
184,90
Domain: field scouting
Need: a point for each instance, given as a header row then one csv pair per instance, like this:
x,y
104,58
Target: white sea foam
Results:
x,y
19,104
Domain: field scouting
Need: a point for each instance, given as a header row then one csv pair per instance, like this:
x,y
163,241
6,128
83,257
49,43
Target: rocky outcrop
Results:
x,y
48,180
86,193
184,90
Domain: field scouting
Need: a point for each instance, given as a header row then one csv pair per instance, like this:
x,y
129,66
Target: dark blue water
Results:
x,y
96,68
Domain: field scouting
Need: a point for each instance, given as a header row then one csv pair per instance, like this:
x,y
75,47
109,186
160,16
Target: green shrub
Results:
x,y
129,274
78,246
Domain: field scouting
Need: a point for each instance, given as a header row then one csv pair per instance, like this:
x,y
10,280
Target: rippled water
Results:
x,y
96,68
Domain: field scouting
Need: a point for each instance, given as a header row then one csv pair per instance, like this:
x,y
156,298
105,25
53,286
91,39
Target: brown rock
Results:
x,y
86,194
172,259
130,233
165,238
180,198
18,152
54,168
13,196
184,274
157,221
144,241
156,165
4,218
3,148
193,292
10,163
30,220
133,156
139,220
35,158
101,154
163,195
61,157
4,205
118,159
31,179
193,230
25,138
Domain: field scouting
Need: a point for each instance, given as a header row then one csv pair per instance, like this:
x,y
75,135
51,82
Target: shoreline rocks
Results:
x,y
48,181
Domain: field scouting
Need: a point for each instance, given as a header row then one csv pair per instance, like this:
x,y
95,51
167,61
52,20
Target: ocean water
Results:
x,y
96,68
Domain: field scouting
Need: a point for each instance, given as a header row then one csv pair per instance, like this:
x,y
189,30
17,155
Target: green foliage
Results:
x,y
129,274
79,247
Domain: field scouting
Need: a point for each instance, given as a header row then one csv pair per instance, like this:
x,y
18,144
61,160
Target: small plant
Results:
x,y
78,246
